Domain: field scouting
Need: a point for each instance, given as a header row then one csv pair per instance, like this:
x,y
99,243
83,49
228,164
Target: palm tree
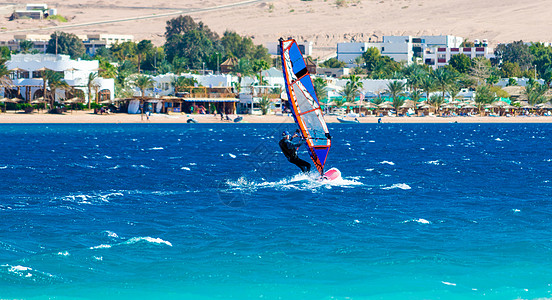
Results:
x,y
91,77
535,93
396,90
264,104
5,80
427,83
143,83
416,95
25,46
53,80
180,83
484,95
320,89
443,79
436,101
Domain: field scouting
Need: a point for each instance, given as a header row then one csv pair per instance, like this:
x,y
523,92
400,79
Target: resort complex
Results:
x,y
395,76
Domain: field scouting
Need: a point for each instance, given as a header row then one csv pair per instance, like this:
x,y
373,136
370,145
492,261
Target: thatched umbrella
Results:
x,y
385,105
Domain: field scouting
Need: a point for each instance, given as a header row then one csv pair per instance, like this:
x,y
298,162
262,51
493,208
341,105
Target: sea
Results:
x,y
215,211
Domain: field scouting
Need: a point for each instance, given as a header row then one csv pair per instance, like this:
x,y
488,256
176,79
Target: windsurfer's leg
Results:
x,y
303,165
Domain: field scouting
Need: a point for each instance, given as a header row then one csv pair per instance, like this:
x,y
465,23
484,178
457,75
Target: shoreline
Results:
x,y
85,117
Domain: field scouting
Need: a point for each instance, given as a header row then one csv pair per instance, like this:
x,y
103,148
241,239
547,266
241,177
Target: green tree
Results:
x,y
333,63
484,95
461,63
184,24
54,81
516,52
416,95
181,83
443,79
543,57
124,51
142,48
264,104
436,101
510,69
320,89
258,67
396,91
371,57
143,82
535,93
25,46
5,80
67,43
428,84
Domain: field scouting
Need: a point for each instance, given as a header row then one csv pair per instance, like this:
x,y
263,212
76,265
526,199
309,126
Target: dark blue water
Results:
x,y
424,211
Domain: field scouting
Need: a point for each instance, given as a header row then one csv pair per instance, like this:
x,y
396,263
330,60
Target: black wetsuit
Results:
x,y
289,149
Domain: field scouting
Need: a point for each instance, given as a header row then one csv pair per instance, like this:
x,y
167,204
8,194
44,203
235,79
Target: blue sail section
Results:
x,y
304,103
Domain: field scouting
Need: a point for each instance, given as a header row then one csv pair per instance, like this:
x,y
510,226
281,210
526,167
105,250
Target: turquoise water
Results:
x,y
196,211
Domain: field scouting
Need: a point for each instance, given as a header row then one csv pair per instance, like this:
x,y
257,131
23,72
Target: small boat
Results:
x,y
343,120
238,119
191,120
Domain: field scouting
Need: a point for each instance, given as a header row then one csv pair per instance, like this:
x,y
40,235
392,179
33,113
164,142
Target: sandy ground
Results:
x,y
323,22
88,117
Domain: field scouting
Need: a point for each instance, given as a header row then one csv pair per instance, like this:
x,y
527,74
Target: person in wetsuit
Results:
x,y
289,148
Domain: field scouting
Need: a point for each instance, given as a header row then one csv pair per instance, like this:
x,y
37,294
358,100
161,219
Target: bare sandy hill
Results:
x,y
325,22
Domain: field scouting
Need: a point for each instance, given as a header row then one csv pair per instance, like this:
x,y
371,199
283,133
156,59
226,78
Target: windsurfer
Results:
x,y
289,148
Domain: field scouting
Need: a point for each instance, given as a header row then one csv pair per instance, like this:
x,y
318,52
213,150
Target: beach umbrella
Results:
x,y
349,104
470,106
43,69
386,105
528,106
369,105
499,104
407,105
546,105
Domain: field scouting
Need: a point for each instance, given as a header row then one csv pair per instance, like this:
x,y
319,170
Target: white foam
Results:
x,y
385,162
299,181
420,221
516,210
108,157
435,162
371,141
111,234
369,170
156,148
402,186
498,139
185,168
3,167
448,283
64,253
231,155
148,239
103,246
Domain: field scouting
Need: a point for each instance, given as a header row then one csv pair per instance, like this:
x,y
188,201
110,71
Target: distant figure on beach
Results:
x,y
289,148
379,120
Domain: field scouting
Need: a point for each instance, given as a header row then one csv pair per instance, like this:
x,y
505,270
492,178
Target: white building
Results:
x,y
92,42
440,56
400,48
27,71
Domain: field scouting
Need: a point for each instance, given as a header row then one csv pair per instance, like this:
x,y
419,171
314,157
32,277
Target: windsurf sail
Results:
x,y
304,103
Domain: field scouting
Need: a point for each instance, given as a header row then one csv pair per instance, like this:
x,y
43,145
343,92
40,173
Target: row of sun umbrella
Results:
x,y
449,105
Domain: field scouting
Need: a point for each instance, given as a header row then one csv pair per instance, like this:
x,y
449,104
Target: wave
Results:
x,y
435,162
385,162
132,241
299,182
420,221
156,148
185,168
93,198
402,186
26,272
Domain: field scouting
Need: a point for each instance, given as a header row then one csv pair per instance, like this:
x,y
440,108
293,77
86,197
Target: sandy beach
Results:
x,y
89,117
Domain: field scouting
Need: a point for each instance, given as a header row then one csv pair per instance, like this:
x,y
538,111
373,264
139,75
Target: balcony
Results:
x,y
441,60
